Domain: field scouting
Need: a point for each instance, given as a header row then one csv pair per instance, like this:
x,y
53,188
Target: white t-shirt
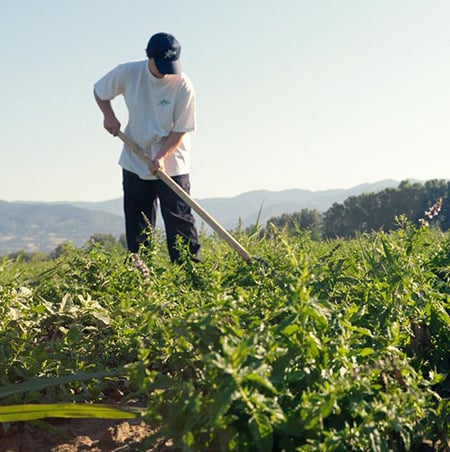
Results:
x,y
156,107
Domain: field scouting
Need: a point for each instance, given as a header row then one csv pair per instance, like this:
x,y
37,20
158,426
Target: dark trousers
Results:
x,y
141,201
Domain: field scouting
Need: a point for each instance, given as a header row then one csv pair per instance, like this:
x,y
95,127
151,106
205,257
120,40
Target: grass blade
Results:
x,y
36,384
14,413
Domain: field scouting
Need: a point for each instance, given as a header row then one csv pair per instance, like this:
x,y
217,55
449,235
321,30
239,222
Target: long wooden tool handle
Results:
x,y
188,199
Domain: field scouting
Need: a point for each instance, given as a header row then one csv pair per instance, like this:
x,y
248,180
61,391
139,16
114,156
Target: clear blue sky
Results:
x,y
312,94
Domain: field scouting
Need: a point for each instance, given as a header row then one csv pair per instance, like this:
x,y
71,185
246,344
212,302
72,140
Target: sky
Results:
x,y
312,94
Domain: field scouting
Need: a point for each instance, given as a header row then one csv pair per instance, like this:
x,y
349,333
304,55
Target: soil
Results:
x,y
74,435
94,435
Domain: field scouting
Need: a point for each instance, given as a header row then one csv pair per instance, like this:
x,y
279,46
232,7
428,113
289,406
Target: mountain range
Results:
x,y
42,226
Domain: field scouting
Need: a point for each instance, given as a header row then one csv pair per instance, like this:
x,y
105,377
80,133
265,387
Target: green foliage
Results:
x,y
377,211
304,220
319,346
373,212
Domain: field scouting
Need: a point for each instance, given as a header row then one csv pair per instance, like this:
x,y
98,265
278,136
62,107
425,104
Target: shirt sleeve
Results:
x,y
184,113
111,84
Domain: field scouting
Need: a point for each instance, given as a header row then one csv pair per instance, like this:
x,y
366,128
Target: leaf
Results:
x,y
290,330
436,378
162,381
67,306
261,381
36,384
262,432
14,313
223,400
387,251
102,316
14,413
366,351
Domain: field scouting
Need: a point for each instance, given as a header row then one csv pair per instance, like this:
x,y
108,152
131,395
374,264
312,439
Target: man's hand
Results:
x,y
112,125
157,164
171,142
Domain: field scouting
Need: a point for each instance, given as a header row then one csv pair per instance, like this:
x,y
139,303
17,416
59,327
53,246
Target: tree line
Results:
x,y
422,203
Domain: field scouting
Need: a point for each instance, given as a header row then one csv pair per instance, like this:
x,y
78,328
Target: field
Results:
x,y
339,345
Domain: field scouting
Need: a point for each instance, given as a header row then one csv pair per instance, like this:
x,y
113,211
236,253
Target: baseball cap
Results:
x,y
165,49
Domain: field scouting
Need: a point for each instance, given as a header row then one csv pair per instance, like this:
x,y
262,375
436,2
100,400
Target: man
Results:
x,y
161,104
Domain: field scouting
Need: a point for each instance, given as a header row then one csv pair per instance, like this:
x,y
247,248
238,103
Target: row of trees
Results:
x,y
422,203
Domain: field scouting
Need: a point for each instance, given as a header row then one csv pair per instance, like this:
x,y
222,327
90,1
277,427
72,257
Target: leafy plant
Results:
x,y
320,345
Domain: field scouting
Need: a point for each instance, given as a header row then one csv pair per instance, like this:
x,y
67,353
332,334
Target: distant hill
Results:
x,y
246,207
264,204
43,226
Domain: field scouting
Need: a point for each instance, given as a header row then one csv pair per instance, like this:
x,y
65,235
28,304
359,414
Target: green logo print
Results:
x,y
164,101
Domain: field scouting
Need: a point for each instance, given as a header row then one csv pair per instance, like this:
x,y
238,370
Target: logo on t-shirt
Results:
x,y
163,102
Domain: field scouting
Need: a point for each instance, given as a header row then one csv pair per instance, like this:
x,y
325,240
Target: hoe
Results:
x,y
223,233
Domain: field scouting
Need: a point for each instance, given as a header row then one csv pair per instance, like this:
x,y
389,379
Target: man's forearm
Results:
x,y
104,105
110,122
173,140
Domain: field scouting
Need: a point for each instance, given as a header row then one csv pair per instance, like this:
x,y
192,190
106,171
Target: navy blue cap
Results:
x,y
165,49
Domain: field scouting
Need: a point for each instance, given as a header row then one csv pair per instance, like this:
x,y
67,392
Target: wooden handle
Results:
x,y
223,233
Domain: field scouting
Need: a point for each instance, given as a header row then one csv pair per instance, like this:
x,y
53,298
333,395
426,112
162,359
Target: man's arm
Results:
x,y
173,140
110,121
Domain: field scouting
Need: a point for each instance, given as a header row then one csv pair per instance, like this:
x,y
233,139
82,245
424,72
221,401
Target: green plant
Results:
x,y
322,345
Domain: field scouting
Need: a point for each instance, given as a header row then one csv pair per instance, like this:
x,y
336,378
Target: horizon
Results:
x,y
374,183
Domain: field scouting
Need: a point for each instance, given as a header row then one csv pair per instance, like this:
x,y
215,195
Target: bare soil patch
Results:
x,y
76,435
